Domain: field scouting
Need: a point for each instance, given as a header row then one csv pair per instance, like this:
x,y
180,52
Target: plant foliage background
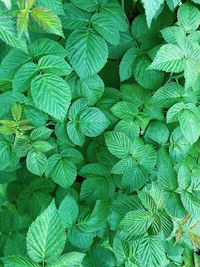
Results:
x,y
99,133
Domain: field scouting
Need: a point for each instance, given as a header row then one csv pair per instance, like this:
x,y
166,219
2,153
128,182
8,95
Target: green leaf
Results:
x,y
47,20
24,76
92,122
72,259
169,58
173,34
5,153
91,88
151,252
45,46
118,144
151,9
89,5
87,52
173,4
62,170
36,162
96,187
190,125
40,133
42,146
157,132
114,9
74,17
7,3
54,5
55,65
17,112
179,146
188,17
147,201
188,116
97,218
168,95
18,261
68,211
51,94
166,223
136,222
124,166
127,64
105,25
46,236
76,136
8,31
22,21
80,239
145,75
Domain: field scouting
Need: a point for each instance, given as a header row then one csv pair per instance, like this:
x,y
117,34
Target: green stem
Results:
x,y
28,37
122,4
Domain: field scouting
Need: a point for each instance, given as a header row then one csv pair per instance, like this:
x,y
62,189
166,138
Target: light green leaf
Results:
x,y
151,9
114,9
87,52
18,261
54,5
188,17
45,46
51,94
68,211
5,153
146,76
97,218
147,201
40,133
92,122
127,64
42,146
7,3
63,171
151,252
80,239
173,4
191,203
173,34
157,132
8,32
136,222
118,144
55,65
175,112
36,162
47,20
72,259
166,223
46,236
96,187
89,5
124,166
74,17
169,58
168,95
190,125
91,88
24,76
76,136
179,145
105,25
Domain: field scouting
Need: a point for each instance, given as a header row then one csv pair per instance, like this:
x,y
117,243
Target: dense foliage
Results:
x,y
99,133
